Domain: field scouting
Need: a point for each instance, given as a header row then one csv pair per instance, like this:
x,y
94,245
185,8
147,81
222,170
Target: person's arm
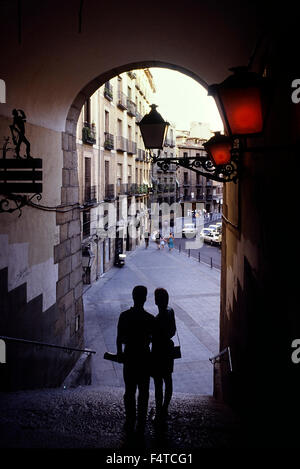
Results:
x,y
120,339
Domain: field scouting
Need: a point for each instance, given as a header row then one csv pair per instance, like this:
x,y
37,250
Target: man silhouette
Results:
x,y
135,328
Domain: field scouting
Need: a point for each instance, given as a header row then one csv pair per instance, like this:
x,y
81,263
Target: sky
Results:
x,y
181,100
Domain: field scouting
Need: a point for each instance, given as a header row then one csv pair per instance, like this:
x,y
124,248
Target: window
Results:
x,y
87,111
120,128
120,87
106,120
106,173
119,175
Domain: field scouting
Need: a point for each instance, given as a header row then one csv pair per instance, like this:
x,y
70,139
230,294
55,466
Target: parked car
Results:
x,y
214,227
212,237
189,230
205,232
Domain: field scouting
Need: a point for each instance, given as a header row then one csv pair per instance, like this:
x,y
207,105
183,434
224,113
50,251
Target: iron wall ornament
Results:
x,y
19,175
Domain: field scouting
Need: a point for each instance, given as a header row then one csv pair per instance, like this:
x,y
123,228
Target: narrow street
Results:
x,y
194,294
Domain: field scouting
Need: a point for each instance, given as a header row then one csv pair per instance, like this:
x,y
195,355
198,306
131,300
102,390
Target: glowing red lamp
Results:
x,y
241,102
219,149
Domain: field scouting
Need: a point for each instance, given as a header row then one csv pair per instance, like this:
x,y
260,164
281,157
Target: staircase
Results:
x,y
93,417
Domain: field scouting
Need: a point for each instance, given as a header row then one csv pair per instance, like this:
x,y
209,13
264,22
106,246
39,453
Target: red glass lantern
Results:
x,y
219,149
241,100
153,129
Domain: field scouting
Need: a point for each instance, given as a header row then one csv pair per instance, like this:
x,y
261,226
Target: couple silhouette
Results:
x,y
137,330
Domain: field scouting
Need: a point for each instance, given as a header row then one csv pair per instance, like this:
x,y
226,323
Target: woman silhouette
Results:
x,y
162,353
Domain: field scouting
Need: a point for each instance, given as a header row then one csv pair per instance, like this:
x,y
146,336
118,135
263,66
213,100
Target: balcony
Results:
x,y
131,108
108,91
121,143
193,194
141,155
169,142
131,147
138,189
90,194
109,141
138,117
89,134
122,100
109,192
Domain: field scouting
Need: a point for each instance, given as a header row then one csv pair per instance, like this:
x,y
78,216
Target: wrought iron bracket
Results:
x,y
204,166
13,202
19,175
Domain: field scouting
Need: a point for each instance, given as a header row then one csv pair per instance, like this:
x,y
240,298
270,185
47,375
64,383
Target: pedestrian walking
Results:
x,y
135,329
146,236
162,242
158,239
162,361
171,242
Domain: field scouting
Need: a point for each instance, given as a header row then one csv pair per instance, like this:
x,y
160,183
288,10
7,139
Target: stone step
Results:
x,y
93,417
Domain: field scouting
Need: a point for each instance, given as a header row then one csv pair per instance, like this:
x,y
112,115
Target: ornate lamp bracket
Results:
x,y
204,166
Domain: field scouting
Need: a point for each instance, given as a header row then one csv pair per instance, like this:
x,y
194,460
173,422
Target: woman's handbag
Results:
x,y
176,350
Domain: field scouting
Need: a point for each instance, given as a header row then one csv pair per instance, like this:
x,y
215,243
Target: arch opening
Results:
x,y
106,249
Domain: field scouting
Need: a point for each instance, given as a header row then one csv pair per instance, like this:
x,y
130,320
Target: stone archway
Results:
x,y
67,254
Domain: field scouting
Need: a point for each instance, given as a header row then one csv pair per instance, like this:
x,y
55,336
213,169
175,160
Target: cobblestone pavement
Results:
x,y
194,291
88,417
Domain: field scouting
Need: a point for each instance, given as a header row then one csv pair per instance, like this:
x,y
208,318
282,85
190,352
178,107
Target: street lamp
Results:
x,y
153,129
242,101
87,260
219,149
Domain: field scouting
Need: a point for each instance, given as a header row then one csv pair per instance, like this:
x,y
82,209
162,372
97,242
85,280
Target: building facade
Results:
x,y
194,187
113,170
164,182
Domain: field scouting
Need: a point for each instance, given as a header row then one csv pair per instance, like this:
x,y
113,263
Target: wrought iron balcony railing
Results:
x,y
108,91
131,108
109,191
193,193
89,133
90,194
121,143
131,148
109,141
122,100
166,188
140,155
